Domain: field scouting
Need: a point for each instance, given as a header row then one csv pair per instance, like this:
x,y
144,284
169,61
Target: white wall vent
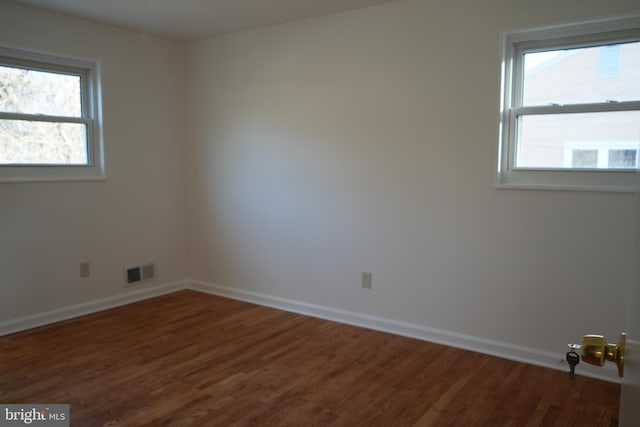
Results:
x,y
138,274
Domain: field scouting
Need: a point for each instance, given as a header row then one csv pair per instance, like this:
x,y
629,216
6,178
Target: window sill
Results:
x,y
611,182
18,174
500,186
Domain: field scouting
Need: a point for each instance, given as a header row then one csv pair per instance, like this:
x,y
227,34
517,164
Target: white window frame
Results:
x,y
89,72
514,45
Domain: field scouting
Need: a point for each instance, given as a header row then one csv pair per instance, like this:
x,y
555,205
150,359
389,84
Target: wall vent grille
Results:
x,y
138,274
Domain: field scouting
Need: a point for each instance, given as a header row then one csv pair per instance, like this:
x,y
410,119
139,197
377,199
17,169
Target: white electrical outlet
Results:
x,y
366,280
85,269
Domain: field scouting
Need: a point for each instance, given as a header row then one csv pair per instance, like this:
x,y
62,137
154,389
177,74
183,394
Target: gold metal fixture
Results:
x,y
596,351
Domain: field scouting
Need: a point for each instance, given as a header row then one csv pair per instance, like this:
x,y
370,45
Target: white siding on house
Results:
x,y
581,76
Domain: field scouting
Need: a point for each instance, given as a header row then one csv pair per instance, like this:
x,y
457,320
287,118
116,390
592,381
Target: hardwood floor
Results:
x,y
194,359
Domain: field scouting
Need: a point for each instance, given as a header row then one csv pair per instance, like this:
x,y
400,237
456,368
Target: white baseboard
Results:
x,y
23,323
481,345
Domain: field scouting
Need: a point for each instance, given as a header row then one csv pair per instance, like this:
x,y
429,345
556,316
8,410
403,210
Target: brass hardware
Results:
x,y
596,351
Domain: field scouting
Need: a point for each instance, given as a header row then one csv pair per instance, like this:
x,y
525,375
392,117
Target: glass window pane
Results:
x,y
37,92
584,159
565,141
582,75
30,142
623,159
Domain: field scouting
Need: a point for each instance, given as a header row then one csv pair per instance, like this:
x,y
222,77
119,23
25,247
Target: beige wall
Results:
x,y
312,152
137,214
366,141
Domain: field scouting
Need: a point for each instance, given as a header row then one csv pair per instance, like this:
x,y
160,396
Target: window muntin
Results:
x,y
565,84
50,121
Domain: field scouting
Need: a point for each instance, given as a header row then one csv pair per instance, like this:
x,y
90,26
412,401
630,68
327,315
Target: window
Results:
x,y
601,155
570,113
50,121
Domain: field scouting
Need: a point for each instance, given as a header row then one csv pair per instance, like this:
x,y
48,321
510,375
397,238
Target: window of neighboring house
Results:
x,y
601,155
50,121
570,115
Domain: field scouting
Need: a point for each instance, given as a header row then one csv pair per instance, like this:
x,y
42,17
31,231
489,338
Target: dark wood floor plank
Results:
x,y
190,358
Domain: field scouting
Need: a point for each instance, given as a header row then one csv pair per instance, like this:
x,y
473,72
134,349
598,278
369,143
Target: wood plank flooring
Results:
x,y
190,358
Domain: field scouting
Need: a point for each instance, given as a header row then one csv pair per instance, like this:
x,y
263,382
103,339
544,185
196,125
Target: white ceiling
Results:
x,y
191,19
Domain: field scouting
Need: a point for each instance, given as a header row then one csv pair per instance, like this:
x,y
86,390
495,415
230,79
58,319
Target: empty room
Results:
x,y
319,212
